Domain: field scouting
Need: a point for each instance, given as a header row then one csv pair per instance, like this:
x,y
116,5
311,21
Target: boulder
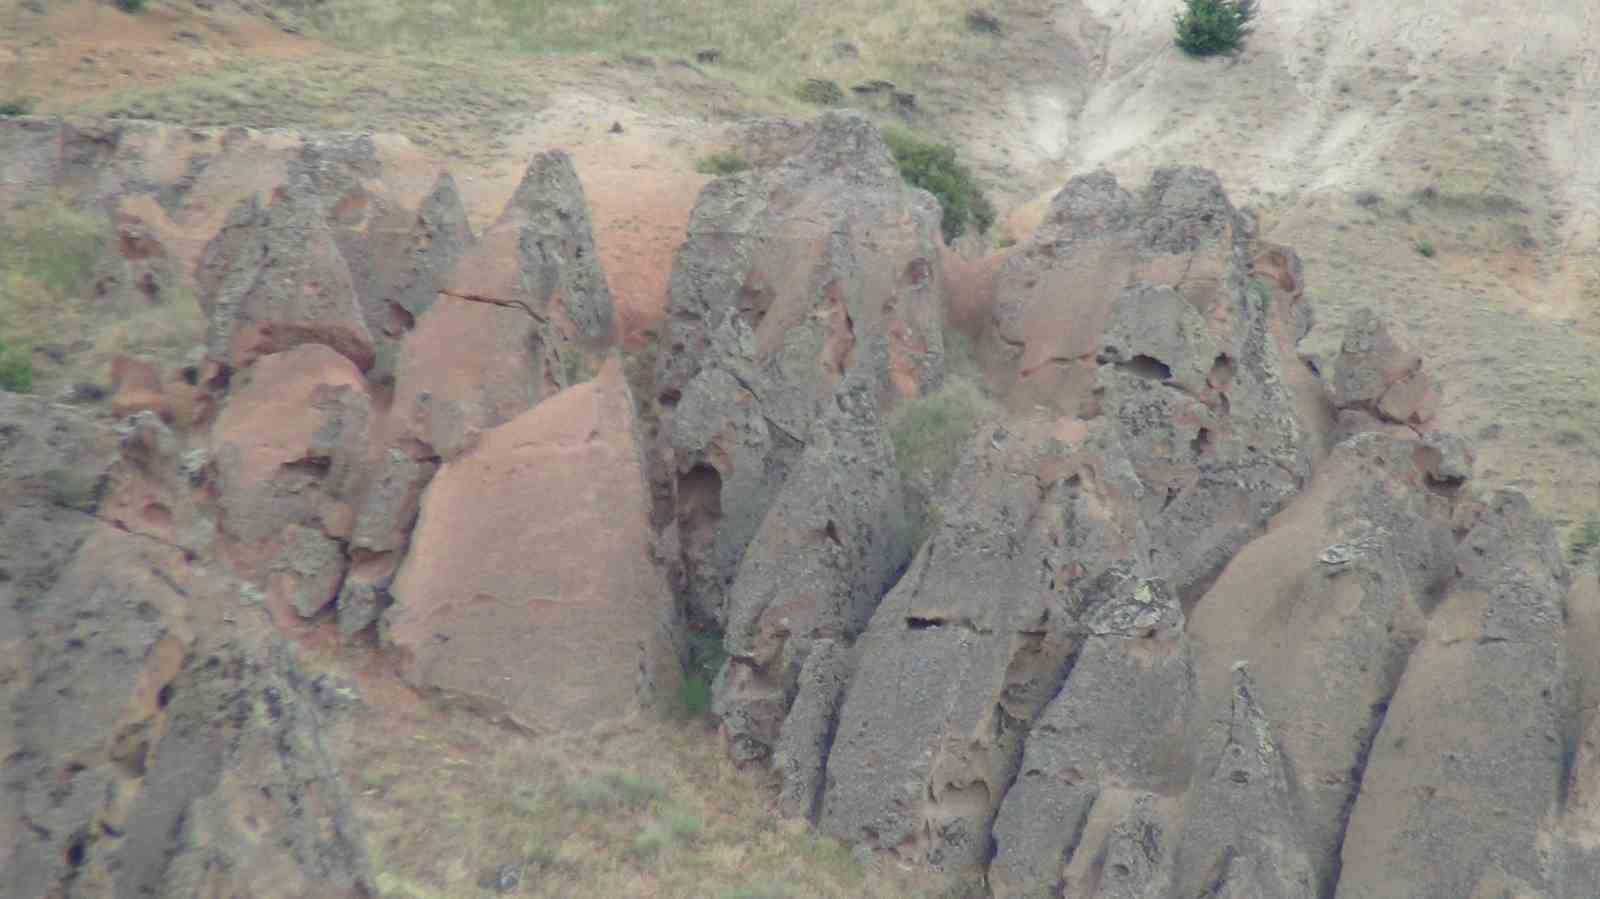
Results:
x,y
1376,373
528,591
289,440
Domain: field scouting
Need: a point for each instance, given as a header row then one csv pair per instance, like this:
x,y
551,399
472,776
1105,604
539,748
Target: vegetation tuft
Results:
x,y
820,92
1212,27
1582,548
71,491
16,368
935,168
722,163
706,657
15,106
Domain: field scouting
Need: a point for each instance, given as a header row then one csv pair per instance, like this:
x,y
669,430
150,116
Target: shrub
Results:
x,y
614,789
576,368
673,827
928,432
70,491
722,163
935,168
1426,248
820,92
16,368
14,106
131,5
54,245
1210,27
706,657
1584,542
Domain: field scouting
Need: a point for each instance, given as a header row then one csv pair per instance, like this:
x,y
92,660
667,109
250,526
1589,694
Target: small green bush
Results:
x,y
1585,541
820,92
673,827
16,368
131,5
935,168
722,163
614,789
576,368
1210,27
14,106
928,432
706,658
69,490
54,245
1426,249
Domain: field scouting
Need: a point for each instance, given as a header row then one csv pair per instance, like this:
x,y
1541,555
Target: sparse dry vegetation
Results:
x,y
638,810
49,255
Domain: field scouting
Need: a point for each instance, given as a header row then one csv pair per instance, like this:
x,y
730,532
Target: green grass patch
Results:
x,y
614,790
722,163
935,168
54,246
928,432
16,367
1581,550
707,654
71,490
15,106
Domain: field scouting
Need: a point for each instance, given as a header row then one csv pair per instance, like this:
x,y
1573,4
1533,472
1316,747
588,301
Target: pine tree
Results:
x,y
1209,27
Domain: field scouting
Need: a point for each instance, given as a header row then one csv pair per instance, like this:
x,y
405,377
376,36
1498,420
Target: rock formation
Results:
x,y
1194,616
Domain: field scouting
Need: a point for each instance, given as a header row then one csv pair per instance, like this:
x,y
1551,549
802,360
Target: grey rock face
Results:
x,y
975,639
1118,727
410,257
1476,725
794,277
389,502
803,743
825,553
1241,833
283,281
555,248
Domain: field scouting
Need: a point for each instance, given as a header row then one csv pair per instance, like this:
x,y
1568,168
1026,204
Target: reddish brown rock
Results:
x,y
528,592
136,387
1376,373
288,439
520,312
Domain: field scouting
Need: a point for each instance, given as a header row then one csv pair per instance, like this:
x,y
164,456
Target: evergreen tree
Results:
x,y
1209,27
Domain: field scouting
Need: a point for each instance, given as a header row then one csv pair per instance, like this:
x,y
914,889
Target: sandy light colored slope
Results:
x,y
1435,159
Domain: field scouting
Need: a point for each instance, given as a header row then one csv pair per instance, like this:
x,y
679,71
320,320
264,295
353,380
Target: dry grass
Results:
x,y
643,810
451,105
49,255
769,44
